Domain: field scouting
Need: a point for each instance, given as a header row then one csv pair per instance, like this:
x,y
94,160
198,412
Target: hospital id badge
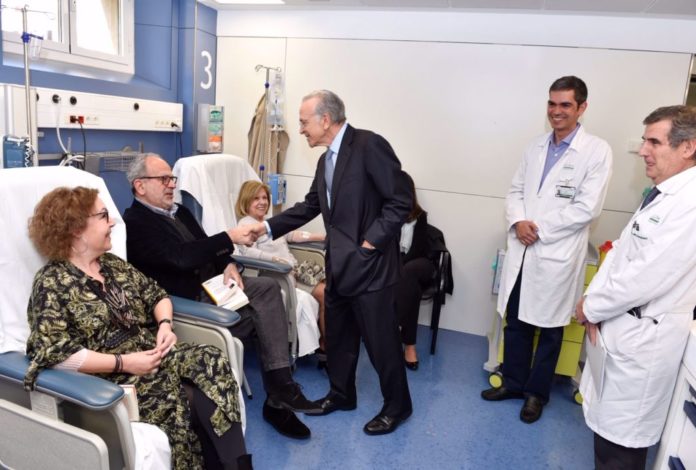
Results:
x,y
567,192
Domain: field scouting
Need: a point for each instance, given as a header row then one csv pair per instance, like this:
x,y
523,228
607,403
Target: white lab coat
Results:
x,y
652,265
553,271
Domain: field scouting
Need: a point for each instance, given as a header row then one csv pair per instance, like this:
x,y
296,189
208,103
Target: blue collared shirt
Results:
x,y
556,151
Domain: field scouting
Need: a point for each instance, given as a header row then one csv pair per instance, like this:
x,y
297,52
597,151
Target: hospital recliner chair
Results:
x,y
209,186
73,420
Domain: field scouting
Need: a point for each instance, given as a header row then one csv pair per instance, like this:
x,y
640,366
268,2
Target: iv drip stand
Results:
x,y
267,141
27,88
26,37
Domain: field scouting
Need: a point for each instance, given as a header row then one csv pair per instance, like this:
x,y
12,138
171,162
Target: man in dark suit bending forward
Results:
x,y
364,198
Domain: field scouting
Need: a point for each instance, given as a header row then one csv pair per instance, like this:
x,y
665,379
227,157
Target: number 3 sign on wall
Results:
x,y
206,69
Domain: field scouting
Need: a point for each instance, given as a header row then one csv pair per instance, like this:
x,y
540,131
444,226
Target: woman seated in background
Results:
x,y
417,273
93,312
252,206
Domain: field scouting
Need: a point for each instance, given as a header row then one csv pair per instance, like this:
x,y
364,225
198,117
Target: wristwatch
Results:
x,y
165,320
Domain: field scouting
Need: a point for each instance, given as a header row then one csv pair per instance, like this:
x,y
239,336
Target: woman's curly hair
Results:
x,y
58,217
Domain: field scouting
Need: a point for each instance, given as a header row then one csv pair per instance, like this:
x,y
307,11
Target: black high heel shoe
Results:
x,y
412,365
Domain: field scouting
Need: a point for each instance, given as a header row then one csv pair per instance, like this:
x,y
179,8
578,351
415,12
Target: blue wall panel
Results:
x,y
206,19
154,12
187,13
154,63
197,62
186,86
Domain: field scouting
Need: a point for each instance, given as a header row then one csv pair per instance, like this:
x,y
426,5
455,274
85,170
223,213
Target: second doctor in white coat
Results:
x,y
554,197
651,272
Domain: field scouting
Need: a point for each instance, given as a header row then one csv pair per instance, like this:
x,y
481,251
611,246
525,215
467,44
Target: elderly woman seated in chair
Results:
x,y
93,312
252,206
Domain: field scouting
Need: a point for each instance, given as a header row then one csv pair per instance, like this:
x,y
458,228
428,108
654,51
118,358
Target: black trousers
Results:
x,y
372,317
416,275
611,456
518,350
219,452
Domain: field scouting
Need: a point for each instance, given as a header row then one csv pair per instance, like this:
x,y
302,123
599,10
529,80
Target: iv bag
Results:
x,y
276,102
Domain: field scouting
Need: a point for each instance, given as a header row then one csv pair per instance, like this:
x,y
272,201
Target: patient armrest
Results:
x,y
255,263
91,392
314,246
201,311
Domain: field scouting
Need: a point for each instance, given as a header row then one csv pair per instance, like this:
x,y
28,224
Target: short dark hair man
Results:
x,y
165,241
557,191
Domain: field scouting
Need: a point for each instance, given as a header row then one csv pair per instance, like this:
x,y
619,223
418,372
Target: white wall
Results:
x,y
572,30
458,112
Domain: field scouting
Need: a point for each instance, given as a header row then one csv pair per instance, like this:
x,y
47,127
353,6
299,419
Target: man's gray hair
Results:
x,y
683,120
138,167
329,103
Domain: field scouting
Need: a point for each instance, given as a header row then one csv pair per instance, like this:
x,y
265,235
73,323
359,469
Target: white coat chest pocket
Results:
x,y
644,225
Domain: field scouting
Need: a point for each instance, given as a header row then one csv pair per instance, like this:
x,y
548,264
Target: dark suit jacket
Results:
x,y
370,200
157,248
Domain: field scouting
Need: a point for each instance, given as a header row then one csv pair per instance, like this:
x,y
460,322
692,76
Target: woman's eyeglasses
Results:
x,y
165,180
103,215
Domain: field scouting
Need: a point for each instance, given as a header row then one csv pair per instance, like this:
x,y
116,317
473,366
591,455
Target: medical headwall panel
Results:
x,y
69,109
460,115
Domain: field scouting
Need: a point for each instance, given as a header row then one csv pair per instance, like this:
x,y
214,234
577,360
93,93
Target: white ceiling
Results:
x,y
644,8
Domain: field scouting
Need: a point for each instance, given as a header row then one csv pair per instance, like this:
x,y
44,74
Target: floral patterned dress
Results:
x,y
69,311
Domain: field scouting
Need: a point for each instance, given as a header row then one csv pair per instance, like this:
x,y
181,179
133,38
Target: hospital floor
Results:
x,y
451,426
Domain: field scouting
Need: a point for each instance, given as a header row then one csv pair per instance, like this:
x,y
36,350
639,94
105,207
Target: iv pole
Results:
x,y
25,41
26,37
267,141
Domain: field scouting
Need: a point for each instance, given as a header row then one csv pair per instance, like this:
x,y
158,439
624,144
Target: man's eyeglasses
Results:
x,y
103,215
165,180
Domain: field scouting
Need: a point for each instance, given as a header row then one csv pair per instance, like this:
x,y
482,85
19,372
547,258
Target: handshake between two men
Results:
x,y
247,234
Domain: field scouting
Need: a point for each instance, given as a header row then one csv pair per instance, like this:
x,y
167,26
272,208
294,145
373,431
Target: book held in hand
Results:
x,y
230,297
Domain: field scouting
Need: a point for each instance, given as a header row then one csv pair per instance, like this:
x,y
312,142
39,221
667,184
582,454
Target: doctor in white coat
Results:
x,y
642,300
557,192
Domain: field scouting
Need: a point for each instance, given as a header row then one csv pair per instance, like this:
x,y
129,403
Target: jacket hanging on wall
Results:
x,y
273,142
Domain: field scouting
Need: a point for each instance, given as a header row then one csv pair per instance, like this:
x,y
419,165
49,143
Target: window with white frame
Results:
x,y
87,33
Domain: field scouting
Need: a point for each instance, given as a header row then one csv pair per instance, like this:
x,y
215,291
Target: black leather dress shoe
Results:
x,y
531,410
412,365
383,424
331,403
290,397
500,393
285,422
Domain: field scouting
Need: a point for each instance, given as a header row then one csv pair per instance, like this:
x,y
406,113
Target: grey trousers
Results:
x,y
266,316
